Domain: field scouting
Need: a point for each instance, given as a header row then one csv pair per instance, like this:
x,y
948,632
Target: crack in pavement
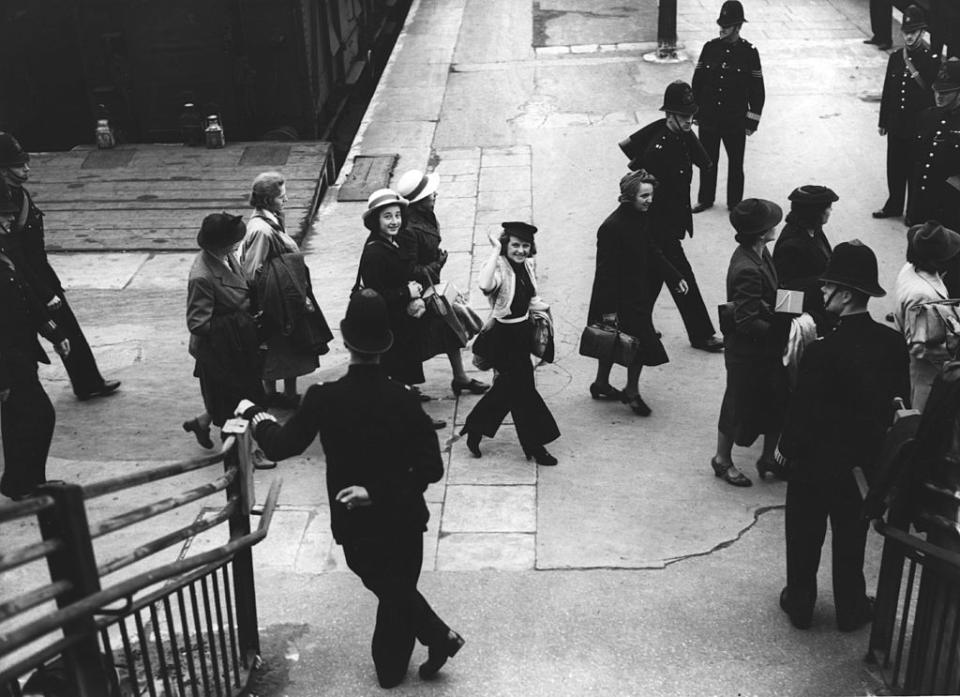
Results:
x,y
726,543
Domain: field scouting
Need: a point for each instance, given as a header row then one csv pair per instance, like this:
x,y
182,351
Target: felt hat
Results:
x,y
812,195
12,153
854,265
416,186
913,19
731,13
220,230
380,198
522,231
931,241
366,327
948,79
754,216
678,99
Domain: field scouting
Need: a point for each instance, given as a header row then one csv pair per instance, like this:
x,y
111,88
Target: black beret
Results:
x,y
520,230
813,194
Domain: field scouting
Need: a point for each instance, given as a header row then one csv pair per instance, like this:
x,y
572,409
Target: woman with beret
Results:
x,y
931,249
509,281
627,258
266,238
755,396
802,249
223,333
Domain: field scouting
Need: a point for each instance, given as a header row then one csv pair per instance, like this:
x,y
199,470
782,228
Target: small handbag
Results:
x,y
542,335
482,358
606,342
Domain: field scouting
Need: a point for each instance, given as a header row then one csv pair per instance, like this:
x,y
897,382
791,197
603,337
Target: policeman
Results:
x,y
936,174
381,453
26,415
668,149
836,420
25,245
907,91
728,87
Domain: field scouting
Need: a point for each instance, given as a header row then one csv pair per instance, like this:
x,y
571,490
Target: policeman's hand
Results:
x,y
683,287
354,497
62,347
414,288
4,393
54,303
882,131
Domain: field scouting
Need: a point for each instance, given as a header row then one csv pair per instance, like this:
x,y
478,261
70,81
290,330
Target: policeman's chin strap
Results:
x,y
826,302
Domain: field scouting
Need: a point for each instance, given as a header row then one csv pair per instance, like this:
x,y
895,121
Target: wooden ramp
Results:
x,y
153,197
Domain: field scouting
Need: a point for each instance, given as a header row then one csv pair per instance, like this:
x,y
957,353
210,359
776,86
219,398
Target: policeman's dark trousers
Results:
x,y
696,319
734,143
390,567
80,364
809,505
899,167
27,419
514,392
881,18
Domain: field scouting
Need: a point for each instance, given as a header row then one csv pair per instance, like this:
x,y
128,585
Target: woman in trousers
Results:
x,y
510,284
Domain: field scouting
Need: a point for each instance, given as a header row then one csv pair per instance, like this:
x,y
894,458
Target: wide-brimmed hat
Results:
x,y
931,241
948,79
678,99
520,230
854,265
220,230
380,198
12,153
731,12
754,216
366,327
813,195
913,19
416,186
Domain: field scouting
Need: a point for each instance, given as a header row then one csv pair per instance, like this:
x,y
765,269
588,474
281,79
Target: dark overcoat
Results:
x,y
419,241
800,257
752,287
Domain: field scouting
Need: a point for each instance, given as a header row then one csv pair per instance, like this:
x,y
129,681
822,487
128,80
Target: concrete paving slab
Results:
x,y
314,555
99,272
288,527
505,178
457,268
471,508
481,551
455,212
164,271
502,462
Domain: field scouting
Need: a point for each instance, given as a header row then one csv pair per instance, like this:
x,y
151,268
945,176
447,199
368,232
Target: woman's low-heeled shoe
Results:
x,y
202,434
437,655
541,456
605,392
636,403
729,473
471,386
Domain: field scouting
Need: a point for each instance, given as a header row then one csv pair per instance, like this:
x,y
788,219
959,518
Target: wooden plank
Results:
x,y
369,173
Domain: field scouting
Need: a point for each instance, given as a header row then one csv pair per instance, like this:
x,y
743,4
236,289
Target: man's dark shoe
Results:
x,y
438,423
884,214
883,47
863,616
438,654
702,206
711,344
799,619
108,387
871,40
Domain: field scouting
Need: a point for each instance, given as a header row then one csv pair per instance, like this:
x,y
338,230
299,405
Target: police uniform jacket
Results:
x,y
728,86
906,91
843,403
670,157
375,435
29,249
937,159
419,241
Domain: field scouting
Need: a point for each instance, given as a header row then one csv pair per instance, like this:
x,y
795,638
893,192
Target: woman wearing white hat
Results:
x,y
419,240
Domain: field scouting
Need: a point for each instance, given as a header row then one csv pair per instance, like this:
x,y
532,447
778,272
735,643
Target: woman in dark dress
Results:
x,y
802,250
509,281
627,261
755,397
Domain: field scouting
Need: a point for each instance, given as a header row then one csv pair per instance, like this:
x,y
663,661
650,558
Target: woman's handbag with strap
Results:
x,y
542,346
937,324
606,342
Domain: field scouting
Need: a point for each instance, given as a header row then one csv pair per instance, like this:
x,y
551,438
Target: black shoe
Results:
x,y
420,395
702,206
636,403
883,47
598,391
863,616
202,434
711,344
871,40
799,619
540,456
884,214
438,654
473,442
438,423
471,386
729,473
108,387
771,466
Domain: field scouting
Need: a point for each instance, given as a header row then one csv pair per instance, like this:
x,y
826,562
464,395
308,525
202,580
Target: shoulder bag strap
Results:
x,y
24,210
912,69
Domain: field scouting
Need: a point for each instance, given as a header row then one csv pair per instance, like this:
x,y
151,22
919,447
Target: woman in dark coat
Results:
x,y
755,397
802,250
223,334
628,260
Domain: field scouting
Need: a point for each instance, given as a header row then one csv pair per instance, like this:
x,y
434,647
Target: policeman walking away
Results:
x,y
668,149
381,452
728,87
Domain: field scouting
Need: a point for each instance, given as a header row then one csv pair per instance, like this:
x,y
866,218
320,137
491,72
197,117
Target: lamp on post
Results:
x,y
667,47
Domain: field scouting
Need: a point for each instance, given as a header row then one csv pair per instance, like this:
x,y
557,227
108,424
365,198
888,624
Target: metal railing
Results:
x,y
196,634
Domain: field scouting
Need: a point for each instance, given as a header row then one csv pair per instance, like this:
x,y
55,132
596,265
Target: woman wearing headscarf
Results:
x,y
509,281
931,250
803,250
755,396
266,239
627,260
419,241
223,333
